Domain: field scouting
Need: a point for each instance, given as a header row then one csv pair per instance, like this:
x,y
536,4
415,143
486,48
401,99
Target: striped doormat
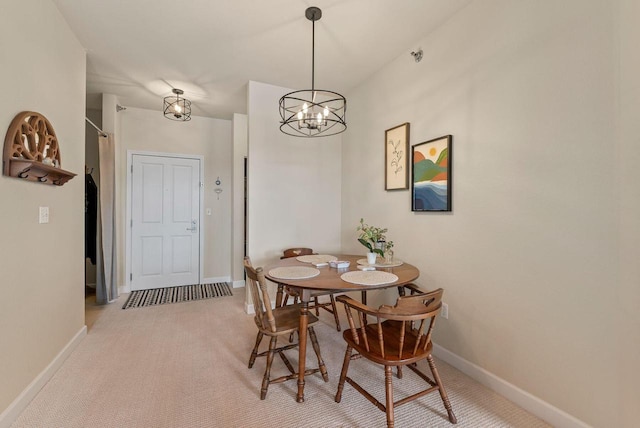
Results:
x,y
185,293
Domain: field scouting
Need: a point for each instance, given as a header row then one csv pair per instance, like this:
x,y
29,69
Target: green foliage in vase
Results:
x,y
370,236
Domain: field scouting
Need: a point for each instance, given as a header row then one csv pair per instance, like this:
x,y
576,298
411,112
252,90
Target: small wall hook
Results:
x,y
218,182
417,55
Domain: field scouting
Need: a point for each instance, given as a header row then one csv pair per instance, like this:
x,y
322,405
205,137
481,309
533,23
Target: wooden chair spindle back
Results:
x,y
416,313
259,295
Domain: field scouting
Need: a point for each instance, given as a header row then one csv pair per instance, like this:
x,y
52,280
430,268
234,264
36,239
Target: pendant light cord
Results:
x,y
313,55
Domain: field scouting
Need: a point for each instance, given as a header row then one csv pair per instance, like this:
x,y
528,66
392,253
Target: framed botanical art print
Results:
x,y
431,178
396,157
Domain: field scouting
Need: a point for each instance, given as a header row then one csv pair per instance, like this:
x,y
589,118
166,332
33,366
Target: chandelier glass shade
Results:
x,y
176,108
313,112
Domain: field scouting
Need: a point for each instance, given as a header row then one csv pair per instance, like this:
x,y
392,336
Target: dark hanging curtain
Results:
x,y
90,217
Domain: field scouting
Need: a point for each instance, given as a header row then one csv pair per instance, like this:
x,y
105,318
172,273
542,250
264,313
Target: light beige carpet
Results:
x,y
185,365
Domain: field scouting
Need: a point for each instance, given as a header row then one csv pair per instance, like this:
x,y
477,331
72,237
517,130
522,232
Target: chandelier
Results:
x,y
313,112
176,108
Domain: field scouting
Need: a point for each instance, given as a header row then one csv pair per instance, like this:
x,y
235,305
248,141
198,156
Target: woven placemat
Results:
x,y
316,258
294,272
372,277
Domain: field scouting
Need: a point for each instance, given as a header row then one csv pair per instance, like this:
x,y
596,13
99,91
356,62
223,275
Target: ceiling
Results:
x,y
139,50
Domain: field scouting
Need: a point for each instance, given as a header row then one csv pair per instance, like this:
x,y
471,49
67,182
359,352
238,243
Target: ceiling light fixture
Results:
x,y
313,112
176,108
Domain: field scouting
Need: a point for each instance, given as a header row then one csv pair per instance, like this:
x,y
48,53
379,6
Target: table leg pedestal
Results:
x,y
305,296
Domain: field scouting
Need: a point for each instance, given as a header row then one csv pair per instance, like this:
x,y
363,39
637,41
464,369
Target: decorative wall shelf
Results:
x,y
31,151
38,171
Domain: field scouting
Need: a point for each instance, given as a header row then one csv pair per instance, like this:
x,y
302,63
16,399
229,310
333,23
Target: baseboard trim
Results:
x,y
12,412
215,279
239,284
527,401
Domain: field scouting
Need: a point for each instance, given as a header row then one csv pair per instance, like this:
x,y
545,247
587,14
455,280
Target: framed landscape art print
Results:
x,y
396,157
431,178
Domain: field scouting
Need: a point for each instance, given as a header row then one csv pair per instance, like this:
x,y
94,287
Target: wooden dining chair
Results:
x,y
275,323
295,252
284,293
400,336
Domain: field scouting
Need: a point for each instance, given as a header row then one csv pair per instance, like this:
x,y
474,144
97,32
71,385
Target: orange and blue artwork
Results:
x,y
431,183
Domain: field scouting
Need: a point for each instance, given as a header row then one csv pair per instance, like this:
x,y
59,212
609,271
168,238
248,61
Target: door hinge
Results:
x,y
131,223
201,184
132,169
130,277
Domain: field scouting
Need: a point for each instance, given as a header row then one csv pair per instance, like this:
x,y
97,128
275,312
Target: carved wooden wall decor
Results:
x,y
32,152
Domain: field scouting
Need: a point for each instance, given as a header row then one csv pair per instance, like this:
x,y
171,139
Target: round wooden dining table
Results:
x,y
329,281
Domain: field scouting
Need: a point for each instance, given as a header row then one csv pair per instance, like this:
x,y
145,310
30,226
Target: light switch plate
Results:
x,y
44,215
444,311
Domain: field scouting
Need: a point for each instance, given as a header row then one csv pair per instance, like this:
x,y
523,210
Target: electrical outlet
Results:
x,y
44,215
444,311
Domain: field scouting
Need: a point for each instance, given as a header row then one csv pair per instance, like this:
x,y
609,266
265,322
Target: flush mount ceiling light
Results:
x,y
176,108
313,112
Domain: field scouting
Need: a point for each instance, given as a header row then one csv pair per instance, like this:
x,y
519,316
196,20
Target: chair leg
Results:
x,y
254,353
316,348
335,311
443,393
267,372
343,373
315,300
364,302
388,387
285,298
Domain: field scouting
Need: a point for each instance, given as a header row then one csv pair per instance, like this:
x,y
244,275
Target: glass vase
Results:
x,y
388,256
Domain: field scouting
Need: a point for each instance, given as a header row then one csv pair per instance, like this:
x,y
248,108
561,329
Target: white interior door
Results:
x,y
165,222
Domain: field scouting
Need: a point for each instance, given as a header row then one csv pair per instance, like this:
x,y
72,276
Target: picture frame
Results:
x,y
396,157
431,179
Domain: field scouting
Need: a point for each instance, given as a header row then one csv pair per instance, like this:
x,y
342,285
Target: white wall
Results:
x,y
293,183
625,300
41,265
529,257
148,130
